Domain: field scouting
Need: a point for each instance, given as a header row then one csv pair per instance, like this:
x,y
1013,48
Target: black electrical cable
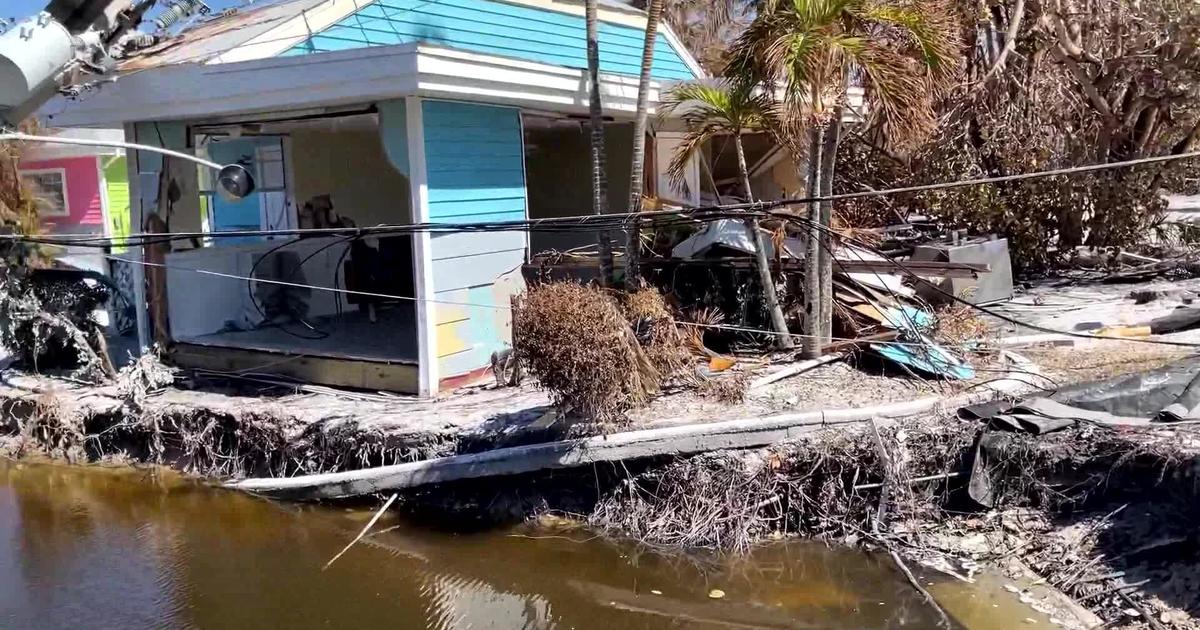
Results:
x,y
617,221
321,334
254,301
566,225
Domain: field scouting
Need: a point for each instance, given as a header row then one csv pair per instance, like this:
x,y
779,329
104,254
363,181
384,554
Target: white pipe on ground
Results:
x,y
671,440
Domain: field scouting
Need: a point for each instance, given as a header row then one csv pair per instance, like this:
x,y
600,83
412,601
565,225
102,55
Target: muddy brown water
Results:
x,y
97,548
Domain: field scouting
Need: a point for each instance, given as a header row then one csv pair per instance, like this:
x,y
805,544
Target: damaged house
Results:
x,y
363,113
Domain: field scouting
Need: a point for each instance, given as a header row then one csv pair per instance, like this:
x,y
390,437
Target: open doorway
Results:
x,y
558,173
311,294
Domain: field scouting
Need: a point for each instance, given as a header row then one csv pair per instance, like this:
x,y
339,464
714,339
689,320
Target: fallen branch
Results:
x,y
937,477
370,524
1154,623
1114,589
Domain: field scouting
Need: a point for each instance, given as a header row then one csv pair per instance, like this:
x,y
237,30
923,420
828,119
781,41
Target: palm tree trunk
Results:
x,y
811,343
783,339
833,137
599,174
633,241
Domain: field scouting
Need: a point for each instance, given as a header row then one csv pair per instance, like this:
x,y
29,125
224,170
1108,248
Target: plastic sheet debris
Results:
x,y
1156,397
927,357
1142,395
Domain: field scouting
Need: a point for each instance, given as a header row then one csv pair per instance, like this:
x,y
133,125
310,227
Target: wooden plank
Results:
x,y
930,269
792,370
370,375
669,441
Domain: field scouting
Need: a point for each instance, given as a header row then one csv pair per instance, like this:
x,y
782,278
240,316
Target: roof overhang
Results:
x,y
198,91
35,152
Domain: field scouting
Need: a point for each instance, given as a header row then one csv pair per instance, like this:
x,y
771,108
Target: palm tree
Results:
x,y
633,239
807,52
716,110
702,20
599,176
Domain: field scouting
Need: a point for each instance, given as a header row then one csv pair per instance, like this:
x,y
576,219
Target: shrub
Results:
x,y
578,344
667,347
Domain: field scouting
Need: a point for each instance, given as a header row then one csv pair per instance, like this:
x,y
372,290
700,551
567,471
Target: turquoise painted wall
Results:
x,y
498,28
474,160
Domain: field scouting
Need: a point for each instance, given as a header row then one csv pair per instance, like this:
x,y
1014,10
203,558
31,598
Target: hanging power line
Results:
x,y
586,222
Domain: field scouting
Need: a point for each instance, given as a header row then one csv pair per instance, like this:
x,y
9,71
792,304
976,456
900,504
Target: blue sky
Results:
x,y
24,8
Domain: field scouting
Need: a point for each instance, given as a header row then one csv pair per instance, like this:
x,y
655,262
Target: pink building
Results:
x,y
80,189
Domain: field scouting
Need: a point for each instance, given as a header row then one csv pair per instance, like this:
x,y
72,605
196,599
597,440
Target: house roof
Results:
x,y
302,54
210,38
216,39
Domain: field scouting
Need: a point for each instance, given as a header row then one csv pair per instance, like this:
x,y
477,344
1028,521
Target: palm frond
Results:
x,y
908,51
709,110
929,28
693,141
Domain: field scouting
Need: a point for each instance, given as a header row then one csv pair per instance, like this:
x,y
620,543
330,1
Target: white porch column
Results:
x,y
137,219
402,131
422,250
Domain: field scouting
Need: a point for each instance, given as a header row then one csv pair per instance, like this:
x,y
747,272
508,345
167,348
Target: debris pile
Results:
x,y
1121,266
1100,505
825,485
881,302
46,320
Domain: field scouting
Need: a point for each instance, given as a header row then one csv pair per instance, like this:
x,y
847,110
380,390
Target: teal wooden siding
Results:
x,y
496,28
474,163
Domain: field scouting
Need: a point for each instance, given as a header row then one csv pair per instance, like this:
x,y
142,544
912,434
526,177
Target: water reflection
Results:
x,y
104,549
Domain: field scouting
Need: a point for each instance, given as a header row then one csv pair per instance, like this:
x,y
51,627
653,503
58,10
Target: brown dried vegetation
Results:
x,y
578,344
1047,86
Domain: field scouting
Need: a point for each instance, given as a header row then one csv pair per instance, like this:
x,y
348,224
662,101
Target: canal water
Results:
x,y
96,548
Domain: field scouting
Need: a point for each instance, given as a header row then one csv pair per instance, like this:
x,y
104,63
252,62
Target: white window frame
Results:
x,y
66,195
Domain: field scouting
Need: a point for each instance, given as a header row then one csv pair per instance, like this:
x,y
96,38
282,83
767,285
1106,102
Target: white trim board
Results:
x,y
350,77
427,352
684,52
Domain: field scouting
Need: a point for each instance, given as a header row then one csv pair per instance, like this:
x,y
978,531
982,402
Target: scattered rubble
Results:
x,y
46,319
